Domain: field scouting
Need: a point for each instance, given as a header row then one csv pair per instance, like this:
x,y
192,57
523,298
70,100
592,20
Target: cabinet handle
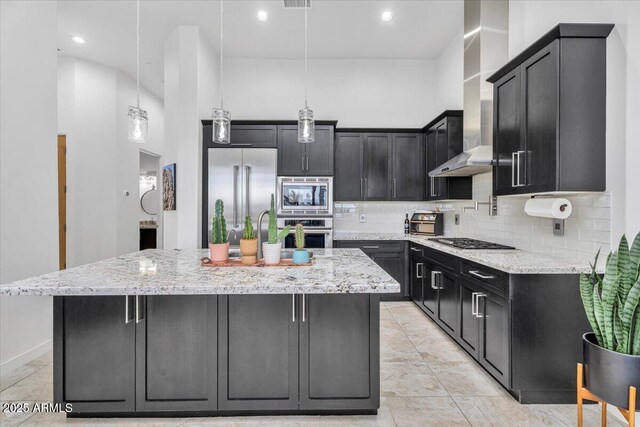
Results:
x,y
366,187
480,275
435,282
394,188
293,308
304,314
127,319
478,296
139,317
419,274
518,181
370,247
513,169
302,167
361,188
236,169
307,156
473,304
415,249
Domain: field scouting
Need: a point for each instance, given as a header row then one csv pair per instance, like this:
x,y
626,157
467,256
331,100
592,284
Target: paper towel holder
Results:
x,y
558,224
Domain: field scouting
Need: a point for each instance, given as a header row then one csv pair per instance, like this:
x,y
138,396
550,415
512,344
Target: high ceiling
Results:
x,y
420,29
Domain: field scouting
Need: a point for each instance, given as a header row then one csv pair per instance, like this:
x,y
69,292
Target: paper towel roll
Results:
x,y
547,207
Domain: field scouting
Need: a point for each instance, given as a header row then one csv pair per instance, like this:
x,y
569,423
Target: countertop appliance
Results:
x,y
427,224
305,195
244,178
318,231
464,243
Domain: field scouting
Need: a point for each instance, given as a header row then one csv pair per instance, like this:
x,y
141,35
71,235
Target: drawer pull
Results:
x,y
371,247
480,275
416,249
478,296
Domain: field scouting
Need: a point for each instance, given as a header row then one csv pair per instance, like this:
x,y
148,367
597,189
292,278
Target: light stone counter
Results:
x,y
178,272
513,261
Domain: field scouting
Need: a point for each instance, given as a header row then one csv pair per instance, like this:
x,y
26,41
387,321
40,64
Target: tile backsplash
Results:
x,y
586,230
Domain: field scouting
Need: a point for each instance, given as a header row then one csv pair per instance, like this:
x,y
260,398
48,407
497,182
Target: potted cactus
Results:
x,y
611,352
272,249
219,246
248,242
300,255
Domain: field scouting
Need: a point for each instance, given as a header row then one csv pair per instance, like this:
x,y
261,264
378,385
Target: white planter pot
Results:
x,y
271,253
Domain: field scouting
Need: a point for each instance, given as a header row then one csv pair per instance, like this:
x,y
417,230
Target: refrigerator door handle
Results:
x,y
236,170
247,174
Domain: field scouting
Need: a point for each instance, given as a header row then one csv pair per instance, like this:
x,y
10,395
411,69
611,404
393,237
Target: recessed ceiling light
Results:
x,y
78,39
386,16
262,15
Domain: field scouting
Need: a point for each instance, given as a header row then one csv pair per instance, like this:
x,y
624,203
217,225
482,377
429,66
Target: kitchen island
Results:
x,y
154,333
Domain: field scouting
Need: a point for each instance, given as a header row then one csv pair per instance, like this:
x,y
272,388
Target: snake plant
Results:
x,y
612,301
272,231
219,225
248,233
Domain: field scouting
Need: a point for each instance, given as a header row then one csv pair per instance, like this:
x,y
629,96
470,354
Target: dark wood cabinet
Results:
x,y
297,159
258,353
468,335
176,347
493,354
391,256
550,114
339,334
95,358
254,136
447,286
443,139
348,180
376,155
429,289
407,166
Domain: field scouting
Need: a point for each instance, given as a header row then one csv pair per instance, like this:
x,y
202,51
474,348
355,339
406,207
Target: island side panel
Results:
x,y
340,352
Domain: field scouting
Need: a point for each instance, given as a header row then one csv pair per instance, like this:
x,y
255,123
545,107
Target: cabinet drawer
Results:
x,y
448,261
416,249
374,246
494,280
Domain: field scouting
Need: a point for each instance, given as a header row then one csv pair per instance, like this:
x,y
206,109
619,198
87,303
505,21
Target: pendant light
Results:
x,y
221,117
138,121
306,125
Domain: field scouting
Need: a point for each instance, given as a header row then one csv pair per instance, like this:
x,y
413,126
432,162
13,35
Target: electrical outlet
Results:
x,y
363,217
456,219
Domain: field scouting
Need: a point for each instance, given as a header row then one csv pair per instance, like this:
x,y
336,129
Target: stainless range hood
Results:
x,y
471,162
486,24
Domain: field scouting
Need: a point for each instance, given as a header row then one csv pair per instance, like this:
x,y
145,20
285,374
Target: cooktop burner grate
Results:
x,y
464,243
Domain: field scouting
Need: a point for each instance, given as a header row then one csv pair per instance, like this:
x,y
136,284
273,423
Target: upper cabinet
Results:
x,y
297,159
443,142
383,166
550,114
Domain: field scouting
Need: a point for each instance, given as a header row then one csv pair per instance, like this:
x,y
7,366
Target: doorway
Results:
x,y
150,201
62,201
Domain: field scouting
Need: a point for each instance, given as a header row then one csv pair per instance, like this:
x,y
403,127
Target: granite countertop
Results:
x,y
513,261
178,272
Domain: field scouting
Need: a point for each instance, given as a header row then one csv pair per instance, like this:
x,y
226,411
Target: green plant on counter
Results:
x,y
299,237
219,225
248,233
612,301
272,231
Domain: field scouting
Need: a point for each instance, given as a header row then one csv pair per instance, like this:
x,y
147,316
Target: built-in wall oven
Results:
x,y
305,195
318,231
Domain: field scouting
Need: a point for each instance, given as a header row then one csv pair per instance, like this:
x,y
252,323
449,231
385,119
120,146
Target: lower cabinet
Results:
x,y
447,288
493,354
416,271
468,335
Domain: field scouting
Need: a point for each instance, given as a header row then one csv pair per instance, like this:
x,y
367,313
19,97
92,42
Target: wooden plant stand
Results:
x,y
584,394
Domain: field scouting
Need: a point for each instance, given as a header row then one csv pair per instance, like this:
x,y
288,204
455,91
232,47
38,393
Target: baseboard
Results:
x,y
26,357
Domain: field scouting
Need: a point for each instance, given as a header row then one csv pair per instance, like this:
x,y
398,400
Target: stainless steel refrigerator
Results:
x,y
244,178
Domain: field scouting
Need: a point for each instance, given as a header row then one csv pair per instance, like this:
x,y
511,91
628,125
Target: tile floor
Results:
x,y
426,380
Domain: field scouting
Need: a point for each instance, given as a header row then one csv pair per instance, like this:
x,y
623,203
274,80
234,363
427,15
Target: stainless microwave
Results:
x,y
305,195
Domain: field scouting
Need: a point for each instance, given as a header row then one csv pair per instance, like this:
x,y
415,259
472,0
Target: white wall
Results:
x,y
28,156
101,163
449,75
190,91
528,20
357,93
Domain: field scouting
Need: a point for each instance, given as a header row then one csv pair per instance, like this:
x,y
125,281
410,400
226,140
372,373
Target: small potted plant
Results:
x,y
272,248
248,243
219,246
611,353
300,255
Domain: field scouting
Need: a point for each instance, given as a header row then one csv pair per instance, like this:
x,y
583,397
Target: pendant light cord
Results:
x,y
221,52
306,67
138,53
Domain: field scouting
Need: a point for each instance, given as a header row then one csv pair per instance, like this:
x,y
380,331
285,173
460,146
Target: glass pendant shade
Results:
x,y
221,126
306,126
138,125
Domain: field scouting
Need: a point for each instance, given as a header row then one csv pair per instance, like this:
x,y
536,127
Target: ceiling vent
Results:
x,y
296,4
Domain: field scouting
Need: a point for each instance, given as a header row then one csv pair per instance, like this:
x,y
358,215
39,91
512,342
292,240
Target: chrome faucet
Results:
x,y
493,206
262,214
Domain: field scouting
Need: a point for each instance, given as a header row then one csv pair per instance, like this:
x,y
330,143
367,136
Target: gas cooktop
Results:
x,y
464,243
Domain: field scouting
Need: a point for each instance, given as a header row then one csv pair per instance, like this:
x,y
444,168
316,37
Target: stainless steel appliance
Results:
x,y
427,224
244,179
305,195
464,243
318,231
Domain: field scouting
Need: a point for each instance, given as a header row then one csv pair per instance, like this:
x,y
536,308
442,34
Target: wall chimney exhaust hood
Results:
x,y
486,26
